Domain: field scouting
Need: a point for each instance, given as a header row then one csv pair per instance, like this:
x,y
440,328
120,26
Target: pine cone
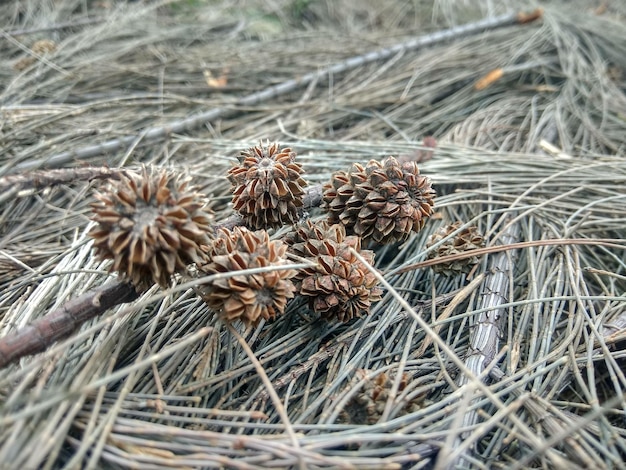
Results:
x,y
467,239
339,286
383,201
247,297
267,187
369,404
151,226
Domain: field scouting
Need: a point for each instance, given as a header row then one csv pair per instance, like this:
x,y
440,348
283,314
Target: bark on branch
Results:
x,y
62,322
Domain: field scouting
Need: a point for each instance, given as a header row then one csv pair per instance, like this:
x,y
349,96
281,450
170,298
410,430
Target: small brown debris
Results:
x,y
39,48
489,79
467,239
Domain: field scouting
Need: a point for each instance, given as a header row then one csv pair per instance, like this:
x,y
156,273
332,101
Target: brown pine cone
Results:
x,y
151,226
307,239
267,187
382,201
367,406
467,239
247,297
339,286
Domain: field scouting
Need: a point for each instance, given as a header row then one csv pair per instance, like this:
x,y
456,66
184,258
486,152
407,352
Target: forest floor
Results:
x,y
514,364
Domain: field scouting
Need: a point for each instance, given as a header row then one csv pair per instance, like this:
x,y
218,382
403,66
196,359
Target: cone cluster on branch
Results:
x,y
154,225
151,225
383,202
469,238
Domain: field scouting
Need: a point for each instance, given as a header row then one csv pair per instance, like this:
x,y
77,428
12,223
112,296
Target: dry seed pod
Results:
x,y
339,286
467,239
42,47
307,239
382,201
151,225
367,406
267,187
247,297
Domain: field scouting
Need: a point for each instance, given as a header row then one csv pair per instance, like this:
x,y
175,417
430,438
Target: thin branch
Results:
x,y
45,178
606,242
63,321
55,27
158,133
484,343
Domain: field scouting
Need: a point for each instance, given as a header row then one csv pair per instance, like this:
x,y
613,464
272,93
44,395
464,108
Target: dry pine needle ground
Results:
x,y
529,121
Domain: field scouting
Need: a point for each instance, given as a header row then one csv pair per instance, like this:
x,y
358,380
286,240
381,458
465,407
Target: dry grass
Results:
x,y
537,155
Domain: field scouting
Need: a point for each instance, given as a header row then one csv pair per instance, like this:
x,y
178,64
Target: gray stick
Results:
x,y
485,340
45,178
